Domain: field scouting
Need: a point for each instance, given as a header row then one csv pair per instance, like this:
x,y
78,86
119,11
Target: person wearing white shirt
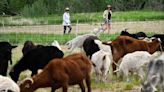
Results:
x,y
66,21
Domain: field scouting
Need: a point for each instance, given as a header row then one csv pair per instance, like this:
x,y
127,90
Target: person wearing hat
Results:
x,y
66,21
107,18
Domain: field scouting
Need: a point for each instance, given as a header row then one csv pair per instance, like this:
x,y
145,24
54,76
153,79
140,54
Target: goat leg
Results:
x,y
82,86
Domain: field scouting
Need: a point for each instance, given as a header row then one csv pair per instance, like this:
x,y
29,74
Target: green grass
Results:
x,y
17,38
47,39
20,38
138,15
83,18
116,84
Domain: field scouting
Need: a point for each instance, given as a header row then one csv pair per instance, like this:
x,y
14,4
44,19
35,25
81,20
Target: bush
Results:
x,y
37,9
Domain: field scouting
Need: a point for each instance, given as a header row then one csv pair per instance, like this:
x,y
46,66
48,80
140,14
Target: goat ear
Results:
x,y
159,39
28,82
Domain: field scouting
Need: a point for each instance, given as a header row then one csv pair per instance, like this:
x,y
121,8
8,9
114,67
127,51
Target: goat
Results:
x,y
8,85
136,35
29,45
71,70
125,44
161,36
90,46
102,61
134,62
5,56
78,41
35,59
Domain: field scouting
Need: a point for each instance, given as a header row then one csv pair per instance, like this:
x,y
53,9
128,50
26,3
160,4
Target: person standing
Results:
x,y
66,21
107,18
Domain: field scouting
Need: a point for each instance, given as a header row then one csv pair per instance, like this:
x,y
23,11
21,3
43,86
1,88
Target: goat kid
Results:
x,y
102,61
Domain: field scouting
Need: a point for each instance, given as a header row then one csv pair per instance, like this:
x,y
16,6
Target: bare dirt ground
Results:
x,y
145,26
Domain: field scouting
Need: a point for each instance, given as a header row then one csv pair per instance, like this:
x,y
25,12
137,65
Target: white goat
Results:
x,y
134,62
102,62
7,84
78,41
55,43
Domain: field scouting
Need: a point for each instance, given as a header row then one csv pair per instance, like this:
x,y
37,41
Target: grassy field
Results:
x,y
113,84
82,18
47,39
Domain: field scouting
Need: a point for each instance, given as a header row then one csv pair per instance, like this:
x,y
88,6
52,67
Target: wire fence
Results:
x,y
47,33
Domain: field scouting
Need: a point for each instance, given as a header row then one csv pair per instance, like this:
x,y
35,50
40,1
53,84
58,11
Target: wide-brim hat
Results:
x,y
67,9
109,6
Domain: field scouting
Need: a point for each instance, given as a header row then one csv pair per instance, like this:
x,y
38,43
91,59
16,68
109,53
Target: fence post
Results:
x,y
3,23
77,27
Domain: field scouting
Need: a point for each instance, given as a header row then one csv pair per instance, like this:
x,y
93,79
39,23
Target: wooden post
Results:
x,y
77,27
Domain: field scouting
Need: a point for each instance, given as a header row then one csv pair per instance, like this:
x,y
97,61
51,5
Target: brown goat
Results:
x,y
70,70
125,44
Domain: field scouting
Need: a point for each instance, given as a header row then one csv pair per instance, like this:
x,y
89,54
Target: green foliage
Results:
x,y
36,9
17,5
44,7
124,5
3,6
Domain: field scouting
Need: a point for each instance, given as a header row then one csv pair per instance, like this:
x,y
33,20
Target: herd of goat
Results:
x,y
128,53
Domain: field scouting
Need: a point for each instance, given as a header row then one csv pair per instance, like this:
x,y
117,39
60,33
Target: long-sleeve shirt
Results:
x,y
66,19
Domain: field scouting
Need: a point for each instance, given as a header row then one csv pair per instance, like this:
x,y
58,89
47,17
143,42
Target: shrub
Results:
x,y
37,9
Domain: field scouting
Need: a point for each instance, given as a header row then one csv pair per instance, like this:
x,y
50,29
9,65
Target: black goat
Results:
x,y
136,35
90,46
35,59
5,56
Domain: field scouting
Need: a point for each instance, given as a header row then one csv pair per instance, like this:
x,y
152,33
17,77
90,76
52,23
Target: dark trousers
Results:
x,y
65,28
